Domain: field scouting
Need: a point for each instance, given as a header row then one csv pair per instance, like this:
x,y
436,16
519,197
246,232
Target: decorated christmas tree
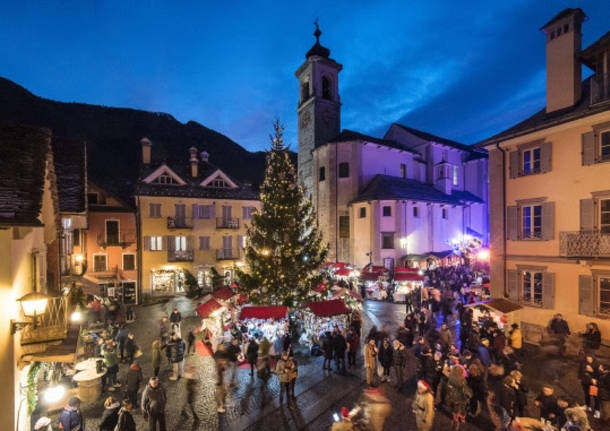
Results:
x,y
284,248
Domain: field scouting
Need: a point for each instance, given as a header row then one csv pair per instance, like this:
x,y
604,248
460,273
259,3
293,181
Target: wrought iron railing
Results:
x,y
180,255
227,254
50,326
179,223
125,238
584,244
227,223
600,88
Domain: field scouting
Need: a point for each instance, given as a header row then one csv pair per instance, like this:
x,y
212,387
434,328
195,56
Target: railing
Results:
x,y
600,88
584,244
180,255
179,223
50,326
126,238
227,223
227,254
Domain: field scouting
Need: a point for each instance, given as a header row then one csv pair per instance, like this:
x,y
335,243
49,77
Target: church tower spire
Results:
x,y
319,106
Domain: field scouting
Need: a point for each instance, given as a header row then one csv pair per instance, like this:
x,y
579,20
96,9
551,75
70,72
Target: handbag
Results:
x,y
593,390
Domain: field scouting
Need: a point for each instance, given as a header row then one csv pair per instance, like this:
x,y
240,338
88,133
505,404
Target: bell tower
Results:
x,y
319,108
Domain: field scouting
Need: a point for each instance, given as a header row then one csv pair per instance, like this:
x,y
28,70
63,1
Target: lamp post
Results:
x,y
33,305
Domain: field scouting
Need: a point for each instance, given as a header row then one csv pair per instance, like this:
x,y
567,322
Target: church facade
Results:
x,y
381,200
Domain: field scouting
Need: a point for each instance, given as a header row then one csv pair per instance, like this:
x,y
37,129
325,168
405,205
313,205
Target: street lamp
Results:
x,y
33,305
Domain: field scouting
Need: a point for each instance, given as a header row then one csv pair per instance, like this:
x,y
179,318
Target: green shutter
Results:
x,y
548,290
513,285
588,148
586,298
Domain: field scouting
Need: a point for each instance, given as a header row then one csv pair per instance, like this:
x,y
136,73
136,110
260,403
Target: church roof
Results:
x,y
318,49
350,135
433,138
563,14
391,188
22,173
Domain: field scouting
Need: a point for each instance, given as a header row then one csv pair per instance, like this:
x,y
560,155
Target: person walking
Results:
x,y
110,417
353,345
221,390
154,399
370,362
327,350
125,419
592,338
588,372
603,377
176,355
121,338
507,400
560,329
156,357
399,359
192,386
175,319
111,362
133,380
282,369
164,330
340,346
386,352
233,352
457,396
130,348
423,407
252,355
190,339
71,417
294,373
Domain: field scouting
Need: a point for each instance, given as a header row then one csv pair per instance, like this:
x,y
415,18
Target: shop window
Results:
x,y
387,240
129,262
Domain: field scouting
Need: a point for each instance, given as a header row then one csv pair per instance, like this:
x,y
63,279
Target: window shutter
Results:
x,y
513,285
212,210
588,148
548,290
170,243
586,303
240,241
514,164
546,157
548,221
146,243
189,242
195,211
587,215
512,223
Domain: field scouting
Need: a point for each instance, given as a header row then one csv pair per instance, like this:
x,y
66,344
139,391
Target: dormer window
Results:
x,y
164,179
218,183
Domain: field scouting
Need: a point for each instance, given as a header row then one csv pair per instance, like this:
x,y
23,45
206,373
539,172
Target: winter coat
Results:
x,y
578,415
399,357
175,317
484,356
516,338
559,327
354,342
233,352
121,336
126,422
175,350
110,358
405,336
548,405
385,356
457,395
71,419
369,356
278,345
156,354
283,369
110,417
252,351
327,347
340,346
507,399
593,339
154,399
423,407
446,337
130,346
604,386
134,377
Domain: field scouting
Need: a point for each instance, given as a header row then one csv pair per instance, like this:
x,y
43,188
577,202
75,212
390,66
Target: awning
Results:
x,y
343,272
405,269
370,276
206,309
340,265
224,293
407,276
264,312
328,308
499,304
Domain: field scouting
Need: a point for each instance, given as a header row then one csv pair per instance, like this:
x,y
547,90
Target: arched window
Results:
x,y
304,91
327,88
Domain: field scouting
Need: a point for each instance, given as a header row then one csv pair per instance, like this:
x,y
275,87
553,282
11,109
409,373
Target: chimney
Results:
x,y
205,156
563,76
194,162
146,150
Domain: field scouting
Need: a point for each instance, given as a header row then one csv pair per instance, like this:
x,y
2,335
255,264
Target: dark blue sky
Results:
x,y
459,69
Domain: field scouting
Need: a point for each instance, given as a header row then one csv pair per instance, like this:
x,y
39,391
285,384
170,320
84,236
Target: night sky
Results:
x,y
462,72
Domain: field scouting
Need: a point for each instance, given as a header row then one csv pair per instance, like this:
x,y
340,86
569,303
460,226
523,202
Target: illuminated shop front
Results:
x,y
168,280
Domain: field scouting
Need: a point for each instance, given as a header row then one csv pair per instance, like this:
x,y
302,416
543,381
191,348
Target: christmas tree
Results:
x,y
285,248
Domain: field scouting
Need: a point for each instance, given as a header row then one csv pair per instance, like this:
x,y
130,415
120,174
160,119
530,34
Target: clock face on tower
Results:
x,y
305,119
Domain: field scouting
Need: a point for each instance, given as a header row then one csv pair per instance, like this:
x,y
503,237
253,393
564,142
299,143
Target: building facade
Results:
x,y
382,200
549,190
192,217
112,245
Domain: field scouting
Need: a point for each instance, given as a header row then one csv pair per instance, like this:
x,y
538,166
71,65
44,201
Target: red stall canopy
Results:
x,y
264,312
328,308
340,265
408,276
404,269
320,288
349,292
207,308
224,293
343,272
370,276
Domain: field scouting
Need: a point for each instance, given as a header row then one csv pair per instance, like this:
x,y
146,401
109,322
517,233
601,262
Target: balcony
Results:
x,y
227,254
600,88
180,255
179,223
584,244
227,223
50,326
125,239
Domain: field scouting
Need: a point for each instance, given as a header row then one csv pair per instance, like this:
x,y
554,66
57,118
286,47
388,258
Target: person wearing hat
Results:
x,y
43,424
71,417
345,424
423,406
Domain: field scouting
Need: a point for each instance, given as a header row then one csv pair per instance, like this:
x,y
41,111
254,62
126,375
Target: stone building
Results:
x,y
381,200
549,190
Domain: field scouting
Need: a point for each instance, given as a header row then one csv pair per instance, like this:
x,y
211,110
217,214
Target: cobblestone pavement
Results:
x,y
253,404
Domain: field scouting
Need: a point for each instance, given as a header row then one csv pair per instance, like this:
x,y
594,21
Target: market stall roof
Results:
x,y
343,272
242,299
264,312
320,288
207,308
343,292
405,269
408,276
339,265
500,304
224,293
328,308
370,276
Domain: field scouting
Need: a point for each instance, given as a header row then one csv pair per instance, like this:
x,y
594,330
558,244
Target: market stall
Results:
x,y
225,293
500,310
323,316
211,313
407,281
373,279
352,299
